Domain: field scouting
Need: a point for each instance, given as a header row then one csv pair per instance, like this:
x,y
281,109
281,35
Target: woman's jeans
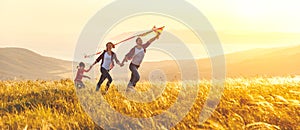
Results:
x,y
105,74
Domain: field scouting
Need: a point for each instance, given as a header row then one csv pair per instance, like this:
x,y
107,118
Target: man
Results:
x,y
136,55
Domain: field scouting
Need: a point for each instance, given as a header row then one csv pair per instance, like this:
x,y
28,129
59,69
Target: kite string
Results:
x,y
154,29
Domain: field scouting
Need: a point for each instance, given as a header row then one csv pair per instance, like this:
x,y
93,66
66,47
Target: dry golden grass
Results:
x,y
257,103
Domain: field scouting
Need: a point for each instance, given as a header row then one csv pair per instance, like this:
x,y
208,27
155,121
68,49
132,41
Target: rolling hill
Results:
x,y
266,62
18,63
273,62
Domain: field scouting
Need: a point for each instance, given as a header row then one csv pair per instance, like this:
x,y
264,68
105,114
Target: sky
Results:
x,y
52,28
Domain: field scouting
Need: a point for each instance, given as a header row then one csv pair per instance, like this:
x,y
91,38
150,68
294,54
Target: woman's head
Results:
x,y
139,41
109,46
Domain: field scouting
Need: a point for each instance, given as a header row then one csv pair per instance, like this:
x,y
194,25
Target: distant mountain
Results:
x,y
24,64
274,62
257,62
19,63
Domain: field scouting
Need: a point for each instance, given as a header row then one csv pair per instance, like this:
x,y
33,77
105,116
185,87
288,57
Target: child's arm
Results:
x,y
89,68
86,76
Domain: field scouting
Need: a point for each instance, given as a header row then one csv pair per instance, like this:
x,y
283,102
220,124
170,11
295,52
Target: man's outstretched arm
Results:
x,y
148,43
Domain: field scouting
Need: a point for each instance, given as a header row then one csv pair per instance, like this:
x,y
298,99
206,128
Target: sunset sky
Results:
x,y
52,28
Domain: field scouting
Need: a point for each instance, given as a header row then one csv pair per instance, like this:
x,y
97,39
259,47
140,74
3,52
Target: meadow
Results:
x,y
246,103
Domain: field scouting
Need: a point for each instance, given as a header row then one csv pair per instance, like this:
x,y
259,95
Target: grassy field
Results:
x,y
256,103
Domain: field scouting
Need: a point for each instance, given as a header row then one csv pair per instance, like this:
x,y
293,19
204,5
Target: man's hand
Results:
x,y
157,35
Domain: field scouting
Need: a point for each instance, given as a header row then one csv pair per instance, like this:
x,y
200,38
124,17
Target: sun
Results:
x,y
251,9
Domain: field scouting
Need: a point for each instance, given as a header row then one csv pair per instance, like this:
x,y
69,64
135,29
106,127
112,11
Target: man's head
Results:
x,y
109,46
139,41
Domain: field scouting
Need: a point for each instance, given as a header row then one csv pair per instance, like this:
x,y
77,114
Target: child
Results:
x,y
79,75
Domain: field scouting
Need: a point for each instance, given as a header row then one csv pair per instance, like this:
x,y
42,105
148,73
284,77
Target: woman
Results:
x,y
136,55
107,64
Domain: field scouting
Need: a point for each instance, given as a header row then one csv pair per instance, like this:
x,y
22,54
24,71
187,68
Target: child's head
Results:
x,y
81,65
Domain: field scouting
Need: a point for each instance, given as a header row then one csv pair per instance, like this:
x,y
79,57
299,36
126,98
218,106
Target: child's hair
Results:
x,y
81,64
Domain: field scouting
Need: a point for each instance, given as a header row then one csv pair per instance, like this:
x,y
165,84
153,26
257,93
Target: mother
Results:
x,y
107,64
